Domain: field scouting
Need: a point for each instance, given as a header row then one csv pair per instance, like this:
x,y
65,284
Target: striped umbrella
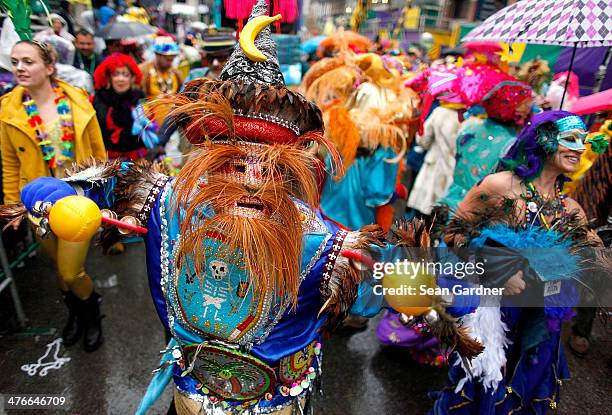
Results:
x,y
578,23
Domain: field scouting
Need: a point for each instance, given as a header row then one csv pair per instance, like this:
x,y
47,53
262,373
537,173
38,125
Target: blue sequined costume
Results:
x,y
257,352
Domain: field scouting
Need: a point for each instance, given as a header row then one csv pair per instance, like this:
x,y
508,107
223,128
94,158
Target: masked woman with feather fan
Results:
x,y
522,208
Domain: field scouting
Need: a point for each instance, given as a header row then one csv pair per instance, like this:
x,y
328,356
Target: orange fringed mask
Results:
x,y
252,160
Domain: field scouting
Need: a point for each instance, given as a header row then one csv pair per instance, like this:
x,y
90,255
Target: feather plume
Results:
x,y
464,226
131,192
92,169
318,69
411,233
334,86
343,132
604,260
485,326
342,286
337,167
12,214
448,331
374,133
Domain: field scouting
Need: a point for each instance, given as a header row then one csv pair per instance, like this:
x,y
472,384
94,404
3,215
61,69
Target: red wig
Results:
x,y
111,63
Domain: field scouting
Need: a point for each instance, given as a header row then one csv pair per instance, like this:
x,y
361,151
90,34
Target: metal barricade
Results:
x,y
7,280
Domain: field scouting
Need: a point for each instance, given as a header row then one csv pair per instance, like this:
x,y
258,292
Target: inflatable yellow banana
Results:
x,y
250,32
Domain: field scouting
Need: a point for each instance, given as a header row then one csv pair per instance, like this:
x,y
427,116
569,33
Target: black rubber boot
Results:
x,y
92,322
74,327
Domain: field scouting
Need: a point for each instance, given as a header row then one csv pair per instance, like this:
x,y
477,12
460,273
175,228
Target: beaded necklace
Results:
x,y
66,124
163,84
536,207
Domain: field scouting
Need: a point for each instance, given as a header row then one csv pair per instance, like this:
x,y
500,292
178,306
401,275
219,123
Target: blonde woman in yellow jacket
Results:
x,y
45,126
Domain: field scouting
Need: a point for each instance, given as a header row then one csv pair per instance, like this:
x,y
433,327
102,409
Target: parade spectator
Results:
x,y
159,76
8,37
85,57
46,125
65,59
113,46
118,92
217,49
60,27
104,13
117,82
64,47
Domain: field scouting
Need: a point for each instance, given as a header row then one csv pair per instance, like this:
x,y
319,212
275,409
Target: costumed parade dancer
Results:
x,y
523,365
367,112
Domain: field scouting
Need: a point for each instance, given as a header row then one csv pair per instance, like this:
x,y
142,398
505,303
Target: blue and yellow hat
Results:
x,y
165,45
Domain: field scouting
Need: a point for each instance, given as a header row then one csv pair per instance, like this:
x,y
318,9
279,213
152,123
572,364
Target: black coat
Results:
x,y
114,112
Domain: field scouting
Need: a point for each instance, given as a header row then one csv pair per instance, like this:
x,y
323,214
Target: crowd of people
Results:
x,y
277,201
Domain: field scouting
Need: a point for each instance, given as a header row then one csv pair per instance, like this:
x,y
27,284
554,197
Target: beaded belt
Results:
x,y
229,377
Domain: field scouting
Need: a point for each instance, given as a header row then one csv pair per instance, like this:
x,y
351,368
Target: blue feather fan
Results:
x,y
548,254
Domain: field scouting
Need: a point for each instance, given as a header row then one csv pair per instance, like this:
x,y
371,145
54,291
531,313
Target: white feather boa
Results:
x,y
487,327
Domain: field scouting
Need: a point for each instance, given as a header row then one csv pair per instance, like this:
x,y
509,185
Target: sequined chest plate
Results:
x,y
219,301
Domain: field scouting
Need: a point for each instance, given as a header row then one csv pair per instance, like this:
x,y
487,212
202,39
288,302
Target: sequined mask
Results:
x,y
572,133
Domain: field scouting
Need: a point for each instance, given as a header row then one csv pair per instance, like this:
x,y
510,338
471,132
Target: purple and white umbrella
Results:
x,y
577,23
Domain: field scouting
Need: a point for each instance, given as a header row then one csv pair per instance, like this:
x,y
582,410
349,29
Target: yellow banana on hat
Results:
x,y
249,34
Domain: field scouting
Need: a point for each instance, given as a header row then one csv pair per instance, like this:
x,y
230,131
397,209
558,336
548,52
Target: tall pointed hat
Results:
x,y
240,67
262,107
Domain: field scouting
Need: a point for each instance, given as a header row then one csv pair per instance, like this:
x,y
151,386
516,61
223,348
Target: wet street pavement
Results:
x,y
361,377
